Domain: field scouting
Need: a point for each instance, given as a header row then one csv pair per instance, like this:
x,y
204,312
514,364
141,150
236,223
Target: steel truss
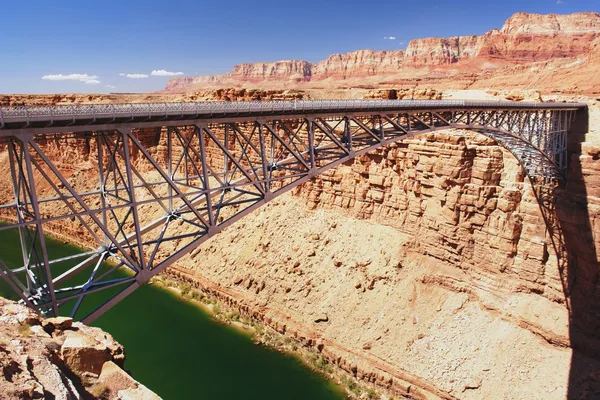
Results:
x,y
163,189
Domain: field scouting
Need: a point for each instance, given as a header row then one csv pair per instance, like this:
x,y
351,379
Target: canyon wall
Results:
x,y
425,261
292,69
525,39
359,63
436,51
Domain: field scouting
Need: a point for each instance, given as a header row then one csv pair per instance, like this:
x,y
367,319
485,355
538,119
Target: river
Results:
x,y
179,351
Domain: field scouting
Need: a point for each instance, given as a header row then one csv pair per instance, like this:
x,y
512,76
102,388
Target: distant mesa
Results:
x,y
524,39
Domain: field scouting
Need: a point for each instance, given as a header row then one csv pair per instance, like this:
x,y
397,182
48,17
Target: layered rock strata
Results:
x,y
525,39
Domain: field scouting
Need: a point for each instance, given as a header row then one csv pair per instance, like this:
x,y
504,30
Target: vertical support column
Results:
x,y
132,198
102,189
170,166
543,129
274,128
39,226
536,125
266,163
563,144
557,139
16,183
348,134
311,144
225,159
205,176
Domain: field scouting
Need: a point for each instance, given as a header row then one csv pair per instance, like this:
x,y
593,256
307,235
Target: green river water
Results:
x,y
179,351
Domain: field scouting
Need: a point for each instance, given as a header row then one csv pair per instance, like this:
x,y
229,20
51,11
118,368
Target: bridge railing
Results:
x,y
28,114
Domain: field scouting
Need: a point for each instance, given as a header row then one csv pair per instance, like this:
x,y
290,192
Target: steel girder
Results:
x,y
160,192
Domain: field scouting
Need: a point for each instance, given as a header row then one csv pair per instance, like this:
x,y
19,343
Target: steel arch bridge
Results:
x,y
169,176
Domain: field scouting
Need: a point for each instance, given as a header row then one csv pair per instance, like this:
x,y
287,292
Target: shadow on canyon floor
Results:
x,y
579,266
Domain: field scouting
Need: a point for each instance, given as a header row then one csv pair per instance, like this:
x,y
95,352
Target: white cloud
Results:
x,y
389,38
90,79
137,76
560,2
122,74
162,72
111,86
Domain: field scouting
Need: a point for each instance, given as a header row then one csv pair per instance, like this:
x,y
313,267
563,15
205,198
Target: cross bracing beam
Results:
x,y
154,190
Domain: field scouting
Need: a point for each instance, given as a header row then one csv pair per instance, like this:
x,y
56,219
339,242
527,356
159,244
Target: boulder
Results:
x,y
83,353
114,378
60,323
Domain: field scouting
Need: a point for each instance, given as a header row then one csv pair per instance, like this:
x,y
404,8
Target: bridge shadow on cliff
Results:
x,y
567,214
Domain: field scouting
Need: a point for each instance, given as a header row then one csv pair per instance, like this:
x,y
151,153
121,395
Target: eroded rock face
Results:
x,y
595,51
291,69
359,63
525,40
552,24
43,359
435,51
404,94
229,94
432,263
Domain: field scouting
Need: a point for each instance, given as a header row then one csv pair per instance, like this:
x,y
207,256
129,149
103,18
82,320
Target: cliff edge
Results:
x,y
57,358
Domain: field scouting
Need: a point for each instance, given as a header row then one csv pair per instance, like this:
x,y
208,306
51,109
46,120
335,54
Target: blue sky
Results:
x,y
101,39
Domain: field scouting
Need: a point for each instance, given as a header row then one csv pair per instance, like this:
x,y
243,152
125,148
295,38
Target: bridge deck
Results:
x,y
61,118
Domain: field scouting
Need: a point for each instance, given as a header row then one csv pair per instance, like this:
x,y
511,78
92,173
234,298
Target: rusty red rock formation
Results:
x,y
525,39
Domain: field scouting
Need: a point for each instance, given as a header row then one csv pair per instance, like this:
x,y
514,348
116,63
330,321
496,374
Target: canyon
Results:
x,y
424,269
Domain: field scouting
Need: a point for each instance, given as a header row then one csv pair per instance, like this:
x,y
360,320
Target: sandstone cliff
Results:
x,y
552,24
359,63
292,69
436,51
57,358
457,62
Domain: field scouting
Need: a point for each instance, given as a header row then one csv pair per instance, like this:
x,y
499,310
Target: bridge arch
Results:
x,y
164,187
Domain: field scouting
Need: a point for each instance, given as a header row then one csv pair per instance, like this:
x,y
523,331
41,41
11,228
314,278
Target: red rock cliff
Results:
x,y
359,63
435,51
552,24
524,38
288,69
